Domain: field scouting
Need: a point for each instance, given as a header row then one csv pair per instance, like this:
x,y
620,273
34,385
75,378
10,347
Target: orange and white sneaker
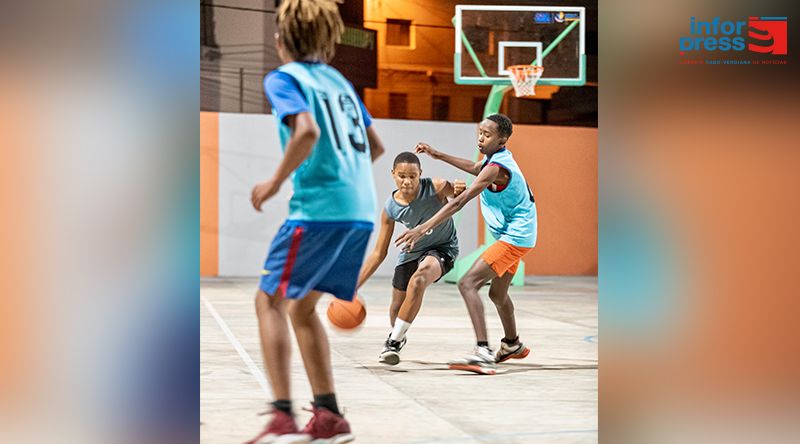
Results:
x,y
515,351
481,361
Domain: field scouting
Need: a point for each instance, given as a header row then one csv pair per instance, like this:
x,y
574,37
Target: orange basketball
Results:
x,y
346,315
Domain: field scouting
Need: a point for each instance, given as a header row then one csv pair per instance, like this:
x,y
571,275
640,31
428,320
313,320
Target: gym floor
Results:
x,y
548,397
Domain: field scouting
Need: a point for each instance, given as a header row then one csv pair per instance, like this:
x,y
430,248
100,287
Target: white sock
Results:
x,y
399,330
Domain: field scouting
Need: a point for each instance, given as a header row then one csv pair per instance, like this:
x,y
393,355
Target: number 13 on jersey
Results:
x,y
345,109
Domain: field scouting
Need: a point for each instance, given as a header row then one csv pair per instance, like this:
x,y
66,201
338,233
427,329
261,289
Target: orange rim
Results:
x,y
521,72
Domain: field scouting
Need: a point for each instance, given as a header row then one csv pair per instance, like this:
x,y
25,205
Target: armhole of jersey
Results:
x,y
388,205
302,92
300,88
499,164
388,215
430,187
510,175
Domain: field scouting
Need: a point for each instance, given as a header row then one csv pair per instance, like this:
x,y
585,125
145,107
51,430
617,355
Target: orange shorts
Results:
x,y
504,257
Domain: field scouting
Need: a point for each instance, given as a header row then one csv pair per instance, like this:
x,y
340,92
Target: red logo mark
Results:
x,y
767,35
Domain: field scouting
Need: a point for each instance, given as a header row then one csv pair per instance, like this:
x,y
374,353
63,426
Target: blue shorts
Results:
x,y
322,256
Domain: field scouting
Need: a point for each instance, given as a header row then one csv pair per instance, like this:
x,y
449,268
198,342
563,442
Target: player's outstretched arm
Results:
x,y
484,179
376,148
305,134
375,259
447,189
463,164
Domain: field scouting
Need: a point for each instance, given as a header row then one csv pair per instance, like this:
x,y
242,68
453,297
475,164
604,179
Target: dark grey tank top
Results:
x,y
427,203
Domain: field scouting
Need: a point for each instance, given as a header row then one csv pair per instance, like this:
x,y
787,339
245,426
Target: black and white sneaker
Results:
x,y
514,351
391,351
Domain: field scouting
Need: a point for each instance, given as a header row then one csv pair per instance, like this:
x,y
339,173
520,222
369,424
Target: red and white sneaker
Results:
x,y
281,430
326,427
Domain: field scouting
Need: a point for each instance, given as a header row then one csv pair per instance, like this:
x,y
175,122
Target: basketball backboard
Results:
x,y
490,38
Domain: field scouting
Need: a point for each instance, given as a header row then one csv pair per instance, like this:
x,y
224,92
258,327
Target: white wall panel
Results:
x,y
249,152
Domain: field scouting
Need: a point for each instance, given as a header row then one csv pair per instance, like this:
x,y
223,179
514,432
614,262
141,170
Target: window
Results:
x,y
398,105
398,32
440,108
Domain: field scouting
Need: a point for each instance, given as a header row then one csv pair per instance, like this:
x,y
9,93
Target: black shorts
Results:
x,y
403,272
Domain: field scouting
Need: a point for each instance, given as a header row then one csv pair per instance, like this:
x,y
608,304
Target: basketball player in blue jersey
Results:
x,y
413,202
329,145
509,211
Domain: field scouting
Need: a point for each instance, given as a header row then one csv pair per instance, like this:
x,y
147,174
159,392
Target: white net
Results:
x,y
524,78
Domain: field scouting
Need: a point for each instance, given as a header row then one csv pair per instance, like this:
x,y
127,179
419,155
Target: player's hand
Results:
x,y
424,148
407,240
262,192
458,187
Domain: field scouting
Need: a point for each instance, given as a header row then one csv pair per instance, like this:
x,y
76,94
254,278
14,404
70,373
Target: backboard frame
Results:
x,y
579,80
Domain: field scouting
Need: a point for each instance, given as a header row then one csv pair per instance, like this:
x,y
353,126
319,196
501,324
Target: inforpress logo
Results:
x,y
768,35
763,35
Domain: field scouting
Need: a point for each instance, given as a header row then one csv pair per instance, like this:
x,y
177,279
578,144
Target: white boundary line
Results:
x,y
251,365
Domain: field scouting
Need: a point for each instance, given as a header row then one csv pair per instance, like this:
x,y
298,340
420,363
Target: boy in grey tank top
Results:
x,y
413,202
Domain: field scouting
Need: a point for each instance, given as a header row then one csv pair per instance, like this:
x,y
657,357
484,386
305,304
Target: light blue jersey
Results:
x,y
335,182
510,214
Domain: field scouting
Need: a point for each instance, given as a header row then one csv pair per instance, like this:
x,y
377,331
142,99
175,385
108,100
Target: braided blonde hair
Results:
x,y
310,29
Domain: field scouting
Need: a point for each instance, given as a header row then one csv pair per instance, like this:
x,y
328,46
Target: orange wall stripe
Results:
x,y
560,164
209,194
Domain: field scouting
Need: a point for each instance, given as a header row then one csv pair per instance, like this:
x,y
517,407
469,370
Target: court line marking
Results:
x,y
251,365
509,435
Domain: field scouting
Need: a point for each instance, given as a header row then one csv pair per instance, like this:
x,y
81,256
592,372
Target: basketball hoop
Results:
x,y
524,78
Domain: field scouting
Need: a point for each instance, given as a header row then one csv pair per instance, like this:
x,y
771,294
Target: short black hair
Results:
x,y
503,123
406,157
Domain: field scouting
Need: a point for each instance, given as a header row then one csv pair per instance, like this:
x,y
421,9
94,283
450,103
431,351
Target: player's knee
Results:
x,y
418,280
263,302
426,268
498,297
466,284
300,313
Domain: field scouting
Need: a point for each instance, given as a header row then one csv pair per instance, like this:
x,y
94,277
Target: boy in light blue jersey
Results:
x,y
329,145
509,211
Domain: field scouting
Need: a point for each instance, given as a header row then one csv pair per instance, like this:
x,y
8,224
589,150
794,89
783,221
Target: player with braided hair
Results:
x,y
329,145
